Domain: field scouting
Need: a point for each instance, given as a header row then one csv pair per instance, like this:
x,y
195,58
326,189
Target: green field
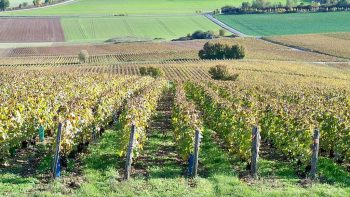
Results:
x,y
109,7
78,29
285,24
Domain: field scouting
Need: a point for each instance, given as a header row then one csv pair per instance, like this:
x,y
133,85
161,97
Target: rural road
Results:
x,y
223,25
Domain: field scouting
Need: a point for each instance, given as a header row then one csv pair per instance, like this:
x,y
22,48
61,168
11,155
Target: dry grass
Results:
x,y
336,44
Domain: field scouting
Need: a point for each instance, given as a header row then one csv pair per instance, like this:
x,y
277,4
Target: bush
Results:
x,y
151,71
203,35
83,56
222,32
221,51
220,72
199,34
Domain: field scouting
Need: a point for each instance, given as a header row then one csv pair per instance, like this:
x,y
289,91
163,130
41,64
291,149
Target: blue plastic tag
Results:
x,y
41,133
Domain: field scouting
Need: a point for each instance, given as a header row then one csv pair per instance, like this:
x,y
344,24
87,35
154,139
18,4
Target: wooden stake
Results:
x,y
255,152
130,152
196,153
315,149
57,152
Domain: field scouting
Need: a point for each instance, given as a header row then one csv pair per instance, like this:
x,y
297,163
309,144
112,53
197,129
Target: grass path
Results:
x,y
159,158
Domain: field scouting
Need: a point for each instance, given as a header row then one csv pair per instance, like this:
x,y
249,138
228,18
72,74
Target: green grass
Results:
x,y
109,7
284,24
102,172
103,28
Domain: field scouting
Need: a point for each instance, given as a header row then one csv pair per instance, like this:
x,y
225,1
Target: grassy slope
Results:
x,y
103,28
108,7
283,24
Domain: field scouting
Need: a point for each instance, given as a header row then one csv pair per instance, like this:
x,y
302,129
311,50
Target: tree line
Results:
x,y
291,6
5,4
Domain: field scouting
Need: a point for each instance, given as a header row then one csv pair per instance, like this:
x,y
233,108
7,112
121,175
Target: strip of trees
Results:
x,y
291,6
5,4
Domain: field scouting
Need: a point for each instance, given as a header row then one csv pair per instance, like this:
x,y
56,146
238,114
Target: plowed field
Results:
x,y
31,30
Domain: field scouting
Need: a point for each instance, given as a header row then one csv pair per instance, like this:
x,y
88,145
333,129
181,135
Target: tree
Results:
x,y
203,35
4,4
261,4
23,5
83,56
246,5
37,2
220,72
237,52
221,51
291,3
343,3
315,4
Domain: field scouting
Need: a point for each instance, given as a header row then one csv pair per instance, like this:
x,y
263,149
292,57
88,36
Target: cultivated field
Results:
x,y
103,49
31,30
104,28
110,7
292,89
285,24
140,115
255,50
336,44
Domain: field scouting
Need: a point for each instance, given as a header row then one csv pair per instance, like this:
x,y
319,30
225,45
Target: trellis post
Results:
x,y
130,152
315,149
255,152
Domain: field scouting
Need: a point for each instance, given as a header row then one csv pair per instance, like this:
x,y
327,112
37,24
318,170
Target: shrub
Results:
x,y
83,56
222,32
221,51
220,72
151,71
203,35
